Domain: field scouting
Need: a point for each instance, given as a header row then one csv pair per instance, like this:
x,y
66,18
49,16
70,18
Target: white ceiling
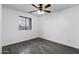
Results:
x,y
28,7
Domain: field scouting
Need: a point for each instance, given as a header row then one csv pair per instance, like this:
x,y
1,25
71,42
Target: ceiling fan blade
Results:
x,y
47,11
48,5
34,6
32,11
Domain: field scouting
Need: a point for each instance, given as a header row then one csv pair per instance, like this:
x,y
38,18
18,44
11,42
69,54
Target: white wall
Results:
x,y
62,27
0,29
11,34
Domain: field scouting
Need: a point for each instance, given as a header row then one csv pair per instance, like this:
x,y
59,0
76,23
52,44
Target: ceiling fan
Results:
x,y
41,8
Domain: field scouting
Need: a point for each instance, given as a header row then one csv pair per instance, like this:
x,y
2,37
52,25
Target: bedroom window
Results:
x,y
25,23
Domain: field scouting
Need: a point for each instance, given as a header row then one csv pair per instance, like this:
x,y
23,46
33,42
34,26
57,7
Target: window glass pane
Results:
x,y
27,22
22,21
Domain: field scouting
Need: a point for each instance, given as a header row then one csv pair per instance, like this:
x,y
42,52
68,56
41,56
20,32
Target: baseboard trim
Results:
x,y
62,43
20,41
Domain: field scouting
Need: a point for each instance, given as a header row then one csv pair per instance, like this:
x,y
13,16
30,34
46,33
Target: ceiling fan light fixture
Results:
x,y
41,9
40,12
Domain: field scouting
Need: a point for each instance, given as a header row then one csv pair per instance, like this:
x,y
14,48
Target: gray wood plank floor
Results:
x,y
38,46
